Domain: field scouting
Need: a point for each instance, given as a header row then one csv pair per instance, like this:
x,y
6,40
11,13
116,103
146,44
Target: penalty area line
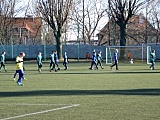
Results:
x,y
41,112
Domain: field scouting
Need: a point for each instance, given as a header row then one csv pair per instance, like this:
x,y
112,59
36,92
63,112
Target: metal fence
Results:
x,y
74,51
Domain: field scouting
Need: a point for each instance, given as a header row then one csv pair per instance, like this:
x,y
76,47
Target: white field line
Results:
x,y
27,104
46,111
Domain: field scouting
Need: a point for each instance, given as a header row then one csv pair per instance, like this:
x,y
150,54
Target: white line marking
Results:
x,y
27,104
46,111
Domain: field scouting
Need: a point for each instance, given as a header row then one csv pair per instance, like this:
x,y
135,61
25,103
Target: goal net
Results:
x,y
137,53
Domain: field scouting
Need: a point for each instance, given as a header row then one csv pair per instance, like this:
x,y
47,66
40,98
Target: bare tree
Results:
x,y
6,15
93,13
121,11
55,13
155,20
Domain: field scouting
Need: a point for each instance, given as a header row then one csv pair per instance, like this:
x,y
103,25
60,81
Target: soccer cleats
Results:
x,y
20,84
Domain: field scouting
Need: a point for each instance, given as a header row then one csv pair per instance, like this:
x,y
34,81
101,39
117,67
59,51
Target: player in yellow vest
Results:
x,y
19,67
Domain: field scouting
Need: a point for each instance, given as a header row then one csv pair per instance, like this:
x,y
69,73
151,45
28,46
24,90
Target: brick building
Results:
x,y
27,30
138,31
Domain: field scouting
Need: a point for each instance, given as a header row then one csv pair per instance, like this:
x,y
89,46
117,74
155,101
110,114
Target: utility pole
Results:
x,y
78,39
44,39
146,23
83,24
11,28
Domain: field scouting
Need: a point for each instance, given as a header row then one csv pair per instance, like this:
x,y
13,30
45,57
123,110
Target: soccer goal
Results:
x,y
138,53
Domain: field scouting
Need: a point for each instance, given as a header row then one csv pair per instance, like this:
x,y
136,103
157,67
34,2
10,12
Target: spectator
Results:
x,y
88,56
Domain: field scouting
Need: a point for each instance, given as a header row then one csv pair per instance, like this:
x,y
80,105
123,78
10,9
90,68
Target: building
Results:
x,y
138,31
27,30
18,30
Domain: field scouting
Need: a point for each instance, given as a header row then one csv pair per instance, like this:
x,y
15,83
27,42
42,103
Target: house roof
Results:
x,y
137,22
29,23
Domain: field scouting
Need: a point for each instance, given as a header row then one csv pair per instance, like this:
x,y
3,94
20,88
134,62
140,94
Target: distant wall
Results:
x,y
72,50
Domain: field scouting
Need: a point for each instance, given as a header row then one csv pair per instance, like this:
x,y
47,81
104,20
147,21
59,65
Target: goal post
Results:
x,y
108,56
148,54
138,53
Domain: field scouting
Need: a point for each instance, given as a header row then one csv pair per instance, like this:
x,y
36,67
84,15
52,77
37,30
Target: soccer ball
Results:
x,y
131,61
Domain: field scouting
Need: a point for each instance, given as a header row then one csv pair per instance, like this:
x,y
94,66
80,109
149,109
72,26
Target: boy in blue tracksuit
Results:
x,y
115,59
94,61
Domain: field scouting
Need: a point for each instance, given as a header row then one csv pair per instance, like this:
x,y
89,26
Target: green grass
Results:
x,y
132,93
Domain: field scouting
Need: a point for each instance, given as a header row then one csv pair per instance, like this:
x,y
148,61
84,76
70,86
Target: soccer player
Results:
x,y
3,61
52,62
19,68
56,60
14,77
94,61
152,59
115,60
99,58
65,62
39,61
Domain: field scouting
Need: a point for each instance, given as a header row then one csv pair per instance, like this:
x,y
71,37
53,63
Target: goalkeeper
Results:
x,y
39,61
99,58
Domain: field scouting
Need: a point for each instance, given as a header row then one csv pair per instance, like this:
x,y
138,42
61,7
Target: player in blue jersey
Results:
x,y
115,59
94,61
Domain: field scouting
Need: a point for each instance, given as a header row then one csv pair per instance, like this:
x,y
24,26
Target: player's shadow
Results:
x,y
141,92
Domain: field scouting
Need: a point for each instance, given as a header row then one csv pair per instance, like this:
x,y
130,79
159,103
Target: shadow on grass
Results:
x,y
148,92
103,72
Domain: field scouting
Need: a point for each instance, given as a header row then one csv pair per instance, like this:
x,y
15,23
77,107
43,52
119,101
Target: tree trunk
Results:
x,y
122,40
58,44
59,47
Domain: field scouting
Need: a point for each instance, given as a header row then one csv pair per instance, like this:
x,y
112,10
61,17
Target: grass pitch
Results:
x,y
131,93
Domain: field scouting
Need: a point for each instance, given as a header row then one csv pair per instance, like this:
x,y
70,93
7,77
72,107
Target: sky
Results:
x,y
72,34
26,5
